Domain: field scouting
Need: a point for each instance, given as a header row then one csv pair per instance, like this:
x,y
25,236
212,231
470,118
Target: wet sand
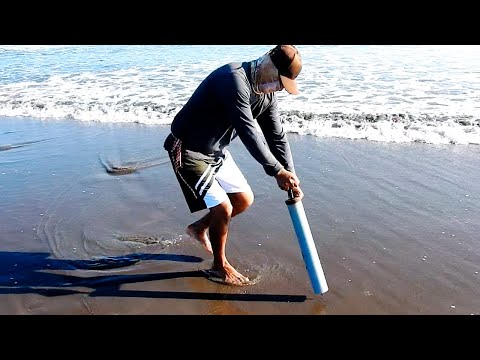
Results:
x,y
396,227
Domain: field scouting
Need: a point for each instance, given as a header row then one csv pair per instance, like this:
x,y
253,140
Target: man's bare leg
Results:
x,y
199,231
200,228
218,231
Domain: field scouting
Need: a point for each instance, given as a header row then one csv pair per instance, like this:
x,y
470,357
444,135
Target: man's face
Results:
x,y
268,78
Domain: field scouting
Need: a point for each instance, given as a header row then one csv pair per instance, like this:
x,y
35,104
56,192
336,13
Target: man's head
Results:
x,y
277,70
288,62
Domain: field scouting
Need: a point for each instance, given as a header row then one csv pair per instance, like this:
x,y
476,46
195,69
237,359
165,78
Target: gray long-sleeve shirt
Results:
x,y
223,106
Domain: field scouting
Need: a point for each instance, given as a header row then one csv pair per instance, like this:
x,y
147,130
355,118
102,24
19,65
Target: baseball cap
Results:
x,y
287,60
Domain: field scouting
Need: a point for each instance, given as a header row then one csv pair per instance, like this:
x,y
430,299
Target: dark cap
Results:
x,y
287,60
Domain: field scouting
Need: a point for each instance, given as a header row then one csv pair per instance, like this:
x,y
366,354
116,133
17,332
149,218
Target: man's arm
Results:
x,y
236,98
272,129
269,122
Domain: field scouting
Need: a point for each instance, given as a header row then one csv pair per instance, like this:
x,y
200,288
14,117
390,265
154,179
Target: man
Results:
x,y
230,102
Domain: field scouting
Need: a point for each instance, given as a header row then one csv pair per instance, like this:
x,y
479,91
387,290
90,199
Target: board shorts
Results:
x,y
205,180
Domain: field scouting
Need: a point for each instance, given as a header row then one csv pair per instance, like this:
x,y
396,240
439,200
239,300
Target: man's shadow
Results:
x,y
25,272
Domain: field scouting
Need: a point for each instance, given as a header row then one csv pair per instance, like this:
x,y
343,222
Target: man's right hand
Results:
x,y
287,180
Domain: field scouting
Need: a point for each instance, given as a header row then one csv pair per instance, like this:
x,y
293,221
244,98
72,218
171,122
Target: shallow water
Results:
x,y
396,227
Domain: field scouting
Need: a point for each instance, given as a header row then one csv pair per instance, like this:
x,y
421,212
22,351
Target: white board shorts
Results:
x,y
205,181
228,180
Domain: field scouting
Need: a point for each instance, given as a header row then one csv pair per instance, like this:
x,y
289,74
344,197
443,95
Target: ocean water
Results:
x,y
395,216
398,93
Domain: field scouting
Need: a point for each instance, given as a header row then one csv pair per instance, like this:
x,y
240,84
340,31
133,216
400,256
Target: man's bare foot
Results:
x,y
201,235
227,275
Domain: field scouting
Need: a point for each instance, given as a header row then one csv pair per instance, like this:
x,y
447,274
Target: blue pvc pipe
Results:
x,y
307,245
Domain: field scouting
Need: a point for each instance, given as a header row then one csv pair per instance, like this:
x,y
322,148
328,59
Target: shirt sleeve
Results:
x,y
272,128
236,99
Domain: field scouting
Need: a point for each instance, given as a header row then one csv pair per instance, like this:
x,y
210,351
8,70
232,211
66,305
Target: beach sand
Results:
x,y
396,227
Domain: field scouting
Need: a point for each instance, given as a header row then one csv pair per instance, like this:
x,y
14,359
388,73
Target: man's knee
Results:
x,y
241,201
223,209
